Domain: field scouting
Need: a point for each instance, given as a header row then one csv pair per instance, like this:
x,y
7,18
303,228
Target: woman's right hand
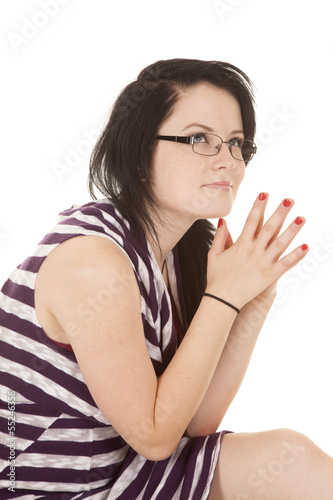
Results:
x,y
240,271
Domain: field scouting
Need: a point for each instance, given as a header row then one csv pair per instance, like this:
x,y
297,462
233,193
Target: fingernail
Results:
x,y
298,221
220,223
262,196
286,203
304,247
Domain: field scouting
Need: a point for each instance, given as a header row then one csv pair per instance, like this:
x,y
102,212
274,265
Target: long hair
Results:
x,y
124,152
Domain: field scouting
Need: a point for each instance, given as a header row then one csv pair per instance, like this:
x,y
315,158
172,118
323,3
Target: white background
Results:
x,y
61,72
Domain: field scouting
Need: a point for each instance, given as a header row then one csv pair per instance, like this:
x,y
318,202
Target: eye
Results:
x,y
237,141
200,138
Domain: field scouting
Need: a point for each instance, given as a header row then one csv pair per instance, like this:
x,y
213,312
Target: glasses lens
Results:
x,y
206,144
242,149
236,146
248,150
210,145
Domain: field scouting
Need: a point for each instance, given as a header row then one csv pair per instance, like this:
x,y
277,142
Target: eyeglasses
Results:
x,y
210,145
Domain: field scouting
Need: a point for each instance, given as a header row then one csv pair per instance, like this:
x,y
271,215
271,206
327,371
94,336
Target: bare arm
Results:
x,y
110,344
239,347
230,371
97,302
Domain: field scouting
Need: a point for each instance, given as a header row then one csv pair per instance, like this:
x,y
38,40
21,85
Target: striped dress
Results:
x,y
55,442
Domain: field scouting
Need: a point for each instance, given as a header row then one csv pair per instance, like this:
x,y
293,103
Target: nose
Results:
x,y
224,159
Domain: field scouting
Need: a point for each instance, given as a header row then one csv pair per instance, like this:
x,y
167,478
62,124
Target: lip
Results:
x,y
222,185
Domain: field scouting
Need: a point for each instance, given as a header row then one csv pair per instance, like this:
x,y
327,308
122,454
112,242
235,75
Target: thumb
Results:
x,y
221,236
229,241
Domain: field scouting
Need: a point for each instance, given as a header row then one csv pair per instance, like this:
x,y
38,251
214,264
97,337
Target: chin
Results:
x,y
219,210
202,206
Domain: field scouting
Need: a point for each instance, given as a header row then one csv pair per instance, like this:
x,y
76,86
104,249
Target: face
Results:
x,y
185,183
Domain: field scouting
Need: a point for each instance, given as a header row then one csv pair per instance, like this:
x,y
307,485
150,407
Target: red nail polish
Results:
x,y
304,247
220,223
298,221
262,196
286,203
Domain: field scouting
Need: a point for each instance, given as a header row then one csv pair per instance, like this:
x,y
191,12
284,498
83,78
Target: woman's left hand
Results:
x,y
267,296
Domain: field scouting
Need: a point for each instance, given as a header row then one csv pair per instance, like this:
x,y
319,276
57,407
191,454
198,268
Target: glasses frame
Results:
x,y
190,140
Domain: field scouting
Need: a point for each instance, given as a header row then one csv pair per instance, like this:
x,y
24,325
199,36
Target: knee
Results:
x,y
295,448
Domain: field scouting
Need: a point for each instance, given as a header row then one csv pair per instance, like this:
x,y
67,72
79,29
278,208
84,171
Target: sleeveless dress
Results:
x,y
55,442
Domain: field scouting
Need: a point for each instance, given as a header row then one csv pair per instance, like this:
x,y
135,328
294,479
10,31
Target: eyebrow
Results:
x,y
209,128
198,125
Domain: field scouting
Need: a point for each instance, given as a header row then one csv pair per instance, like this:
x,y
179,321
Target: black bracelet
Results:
x,y
224,301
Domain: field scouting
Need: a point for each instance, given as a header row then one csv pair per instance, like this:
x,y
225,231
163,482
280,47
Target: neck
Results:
x,y
168,235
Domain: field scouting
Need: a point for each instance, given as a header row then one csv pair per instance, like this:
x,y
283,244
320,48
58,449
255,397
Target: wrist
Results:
x,y
219,299
226,295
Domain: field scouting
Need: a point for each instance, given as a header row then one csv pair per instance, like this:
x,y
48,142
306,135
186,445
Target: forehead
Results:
x,y
204,103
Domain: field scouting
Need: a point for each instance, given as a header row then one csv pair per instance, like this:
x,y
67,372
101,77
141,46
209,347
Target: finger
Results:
x,y
260,224
287,203
281,244
293,258
220,238
272,227
255,217
229,241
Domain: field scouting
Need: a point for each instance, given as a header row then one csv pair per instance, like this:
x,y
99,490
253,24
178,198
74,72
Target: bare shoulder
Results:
x,y
86,248
88,286
85,272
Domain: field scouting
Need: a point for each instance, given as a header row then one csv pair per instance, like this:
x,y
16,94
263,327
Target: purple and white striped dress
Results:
x,y
60,445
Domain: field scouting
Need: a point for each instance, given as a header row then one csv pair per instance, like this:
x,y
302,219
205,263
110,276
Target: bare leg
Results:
x,y
273,465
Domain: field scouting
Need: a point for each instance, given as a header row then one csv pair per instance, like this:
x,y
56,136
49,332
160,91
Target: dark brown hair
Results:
x,y
126,146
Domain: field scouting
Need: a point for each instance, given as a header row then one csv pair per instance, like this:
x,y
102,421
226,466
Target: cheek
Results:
x,y
239,176
177,187
171,172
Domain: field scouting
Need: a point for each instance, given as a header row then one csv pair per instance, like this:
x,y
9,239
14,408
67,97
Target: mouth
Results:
x,y
221,186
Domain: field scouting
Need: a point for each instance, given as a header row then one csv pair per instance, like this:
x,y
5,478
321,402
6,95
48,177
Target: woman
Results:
x,y
119,331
